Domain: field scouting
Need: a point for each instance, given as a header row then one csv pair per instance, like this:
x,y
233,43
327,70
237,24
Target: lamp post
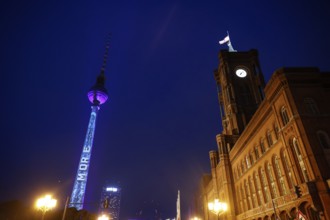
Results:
x,y
45,204
217,207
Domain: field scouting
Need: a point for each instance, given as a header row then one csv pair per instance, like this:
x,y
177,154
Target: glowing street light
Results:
x,y
103,217
45,204
195,218
217,207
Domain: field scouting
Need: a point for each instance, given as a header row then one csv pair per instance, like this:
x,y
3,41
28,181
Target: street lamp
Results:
x,y
217,207
103,217
45,204
195,218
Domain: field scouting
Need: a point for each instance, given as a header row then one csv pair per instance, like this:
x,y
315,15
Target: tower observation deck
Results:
x,y
97,95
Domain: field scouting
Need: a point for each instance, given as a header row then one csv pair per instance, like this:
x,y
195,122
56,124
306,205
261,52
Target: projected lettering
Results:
x,y
78,192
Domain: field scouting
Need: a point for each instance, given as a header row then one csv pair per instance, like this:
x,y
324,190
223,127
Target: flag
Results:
x,y
225,40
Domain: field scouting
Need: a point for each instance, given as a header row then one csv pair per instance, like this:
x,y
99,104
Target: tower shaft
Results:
x,y
78,192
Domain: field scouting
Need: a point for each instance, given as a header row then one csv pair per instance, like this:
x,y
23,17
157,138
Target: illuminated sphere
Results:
x,y
98,94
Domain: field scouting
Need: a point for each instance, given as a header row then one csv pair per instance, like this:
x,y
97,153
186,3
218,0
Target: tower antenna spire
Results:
x,y
105,56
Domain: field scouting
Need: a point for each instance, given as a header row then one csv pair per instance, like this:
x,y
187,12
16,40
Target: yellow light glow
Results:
x,y
217,207
103,217
46,203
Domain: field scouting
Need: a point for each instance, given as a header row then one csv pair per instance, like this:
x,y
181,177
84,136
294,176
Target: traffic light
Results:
x,y
297,190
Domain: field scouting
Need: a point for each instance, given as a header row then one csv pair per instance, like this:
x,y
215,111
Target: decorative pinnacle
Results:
x,y
98,93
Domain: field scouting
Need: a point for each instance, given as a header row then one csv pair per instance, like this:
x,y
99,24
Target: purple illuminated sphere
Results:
x,y
97,96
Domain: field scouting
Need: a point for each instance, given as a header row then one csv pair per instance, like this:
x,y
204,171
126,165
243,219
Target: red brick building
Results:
x,y
275,142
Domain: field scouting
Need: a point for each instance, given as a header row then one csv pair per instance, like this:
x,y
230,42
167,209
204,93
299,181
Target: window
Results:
x,y
258,188
262,146
269,138
323,139
243,167
251,158
311,107
247,190
253,192
284,114
271,180
256,152
279,176
264,185
287,169
299,158
248,163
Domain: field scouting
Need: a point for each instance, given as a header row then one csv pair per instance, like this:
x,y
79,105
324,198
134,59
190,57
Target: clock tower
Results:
x,y
240,86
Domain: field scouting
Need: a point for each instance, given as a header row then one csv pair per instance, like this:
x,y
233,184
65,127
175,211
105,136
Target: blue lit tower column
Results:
x,y
97,95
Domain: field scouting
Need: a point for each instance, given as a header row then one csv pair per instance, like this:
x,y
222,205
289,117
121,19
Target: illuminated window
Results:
x,y
248,194
311,106
284,114
264,185
287,169
323,139
258,188
279,176
248,164
253,192
299,158
271,180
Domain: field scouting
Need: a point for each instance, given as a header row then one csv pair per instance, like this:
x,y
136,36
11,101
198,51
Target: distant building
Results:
x,y
273,157
110,201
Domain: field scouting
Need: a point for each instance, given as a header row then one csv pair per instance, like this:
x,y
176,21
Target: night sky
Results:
x,y
154,133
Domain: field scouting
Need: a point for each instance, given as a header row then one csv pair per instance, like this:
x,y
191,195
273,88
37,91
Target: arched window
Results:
x,y
253,192
323,139
258,187
256,152
279,176
262,146
299,158
239,200
248,163
264,184
311,106
269,138
284,114
287,168
271,180
244,204
248,193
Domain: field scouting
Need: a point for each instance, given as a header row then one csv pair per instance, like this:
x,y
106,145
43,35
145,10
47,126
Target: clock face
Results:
x,y
241,73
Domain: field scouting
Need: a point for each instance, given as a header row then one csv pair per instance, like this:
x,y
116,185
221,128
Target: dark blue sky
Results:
x,y
155,132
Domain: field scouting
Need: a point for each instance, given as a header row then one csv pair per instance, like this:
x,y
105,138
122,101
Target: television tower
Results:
x,y
97,95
